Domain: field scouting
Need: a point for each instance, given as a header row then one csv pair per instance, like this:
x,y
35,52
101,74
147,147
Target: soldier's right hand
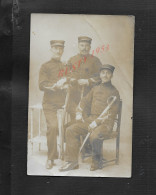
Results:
x,y
60,83
78,116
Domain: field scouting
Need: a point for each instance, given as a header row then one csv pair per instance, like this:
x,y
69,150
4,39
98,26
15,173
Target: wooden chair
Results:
x,y
115,135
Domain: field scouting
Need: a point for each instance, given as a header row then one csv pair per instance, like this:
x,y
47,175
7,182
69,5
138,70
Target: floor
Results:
x,y
37,159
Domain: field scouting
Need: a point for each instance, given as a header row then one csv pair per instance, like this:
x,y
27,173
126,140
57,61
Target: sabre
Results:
x,y
100,118
82,91
85,140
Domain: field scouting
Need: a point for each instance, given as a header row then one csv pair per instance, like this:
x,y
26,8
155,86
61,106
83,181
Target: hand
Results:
x,y
61,82
78,116
93,125
72,79
52,88
83,82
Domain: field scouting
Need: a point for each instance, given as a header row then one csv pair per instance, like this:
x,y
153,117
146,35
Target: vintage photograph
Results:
x,y
80,95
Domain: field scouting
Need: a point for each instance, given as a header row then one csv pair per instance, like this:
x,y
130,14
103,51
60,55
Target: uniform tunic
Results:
x,y
97,99
82,67
52,100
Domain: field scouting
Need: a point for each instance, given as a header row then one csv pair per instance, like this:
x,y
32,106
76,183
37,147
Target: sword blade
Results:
x,y
86,138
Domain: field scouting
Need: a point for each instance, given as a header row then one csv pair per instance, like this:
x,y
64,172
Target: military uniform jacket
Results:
x,y
82,67
97,99
48,76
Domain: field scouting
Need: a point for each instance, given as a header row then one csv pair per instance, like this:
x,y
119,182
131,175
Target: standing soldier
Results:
x,y
84,73
54,97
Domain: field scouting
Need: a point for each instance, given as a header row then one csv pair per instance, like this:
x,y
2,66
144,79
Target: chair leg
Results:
x,y
117,151
32,147
82,155
39,146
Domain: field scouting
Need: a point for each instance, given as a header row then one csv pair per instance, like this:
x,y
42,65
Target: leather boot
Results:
x,y
49,164
94,165
69,166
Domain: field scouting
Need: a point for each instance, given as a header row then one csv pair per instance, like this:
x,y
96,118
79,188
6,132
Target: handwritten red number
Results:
x,y
103,48
79,63
74,68
97,50
92,53
85,59
107,48
61,73
66,70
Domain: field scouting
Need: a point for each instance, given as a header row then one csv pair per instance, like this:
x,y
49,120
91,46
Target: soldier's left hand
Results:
x,y
78,116
93,125
83,82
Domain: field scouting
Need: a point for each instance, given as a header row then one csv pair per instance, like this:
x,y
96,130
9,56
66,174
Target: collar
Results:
x,y
108,84
82,56
55,60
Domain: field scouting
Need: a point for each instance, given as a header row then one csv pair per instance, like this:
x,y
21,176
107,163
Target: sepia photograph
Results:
x,y
80,95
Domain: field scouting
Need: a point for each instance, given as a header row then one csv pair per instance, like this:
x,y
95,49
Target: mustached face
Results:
x,y
84,48
57,51
106,75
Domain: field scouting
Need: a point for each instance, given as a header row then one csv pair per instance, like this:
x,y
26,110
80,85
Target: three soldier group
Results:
x,y
90,90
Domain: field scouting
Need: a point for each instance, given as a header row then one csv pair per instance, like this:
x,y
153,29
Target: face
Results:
x,y
84,48
106,75
57,52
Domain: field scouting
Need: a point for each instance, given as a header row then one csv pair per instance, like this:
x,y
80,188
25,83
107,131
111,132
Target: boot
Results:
x,y
49,164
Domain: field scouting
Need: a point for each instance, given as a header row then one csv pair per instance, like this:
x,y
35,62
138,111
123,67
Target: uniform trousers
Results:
x,y
73,141
50,112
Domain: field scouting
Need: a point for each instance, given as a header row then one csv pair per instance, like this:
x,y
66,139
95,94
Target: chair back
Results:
x,y
118,120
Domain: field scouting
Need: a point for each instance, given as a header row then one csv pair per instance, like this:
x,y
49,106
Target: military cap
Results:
x,y
57,43
107,66
84,39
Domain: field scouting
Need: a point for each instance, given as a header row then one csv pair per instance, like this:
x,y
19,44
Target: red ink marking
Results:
x,y
85,59
103,48
97,50
107,48
79,63
61,73
66,70
92,53
73,67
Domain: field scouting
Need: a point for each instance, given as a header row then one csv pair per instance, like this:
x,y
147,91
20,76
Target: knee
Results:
x,y
52,127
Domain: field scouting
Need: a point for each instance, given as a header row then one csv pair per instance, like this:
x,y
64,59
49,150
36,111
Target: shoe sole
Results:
x,y
76,167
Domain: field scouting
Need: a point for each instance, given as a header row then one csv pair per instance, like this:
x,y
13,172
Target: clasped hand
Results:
x,y
83,82
78,116
92,126
61,82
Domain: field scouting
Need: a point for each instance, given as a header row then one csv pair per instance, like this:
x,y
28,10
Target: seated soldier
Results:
x,y
97,98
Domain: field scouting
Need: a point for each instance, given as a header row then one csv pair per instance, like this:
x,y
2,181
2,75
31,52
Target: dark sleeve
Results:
x,y
87,100
115,107
45,80
95,77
